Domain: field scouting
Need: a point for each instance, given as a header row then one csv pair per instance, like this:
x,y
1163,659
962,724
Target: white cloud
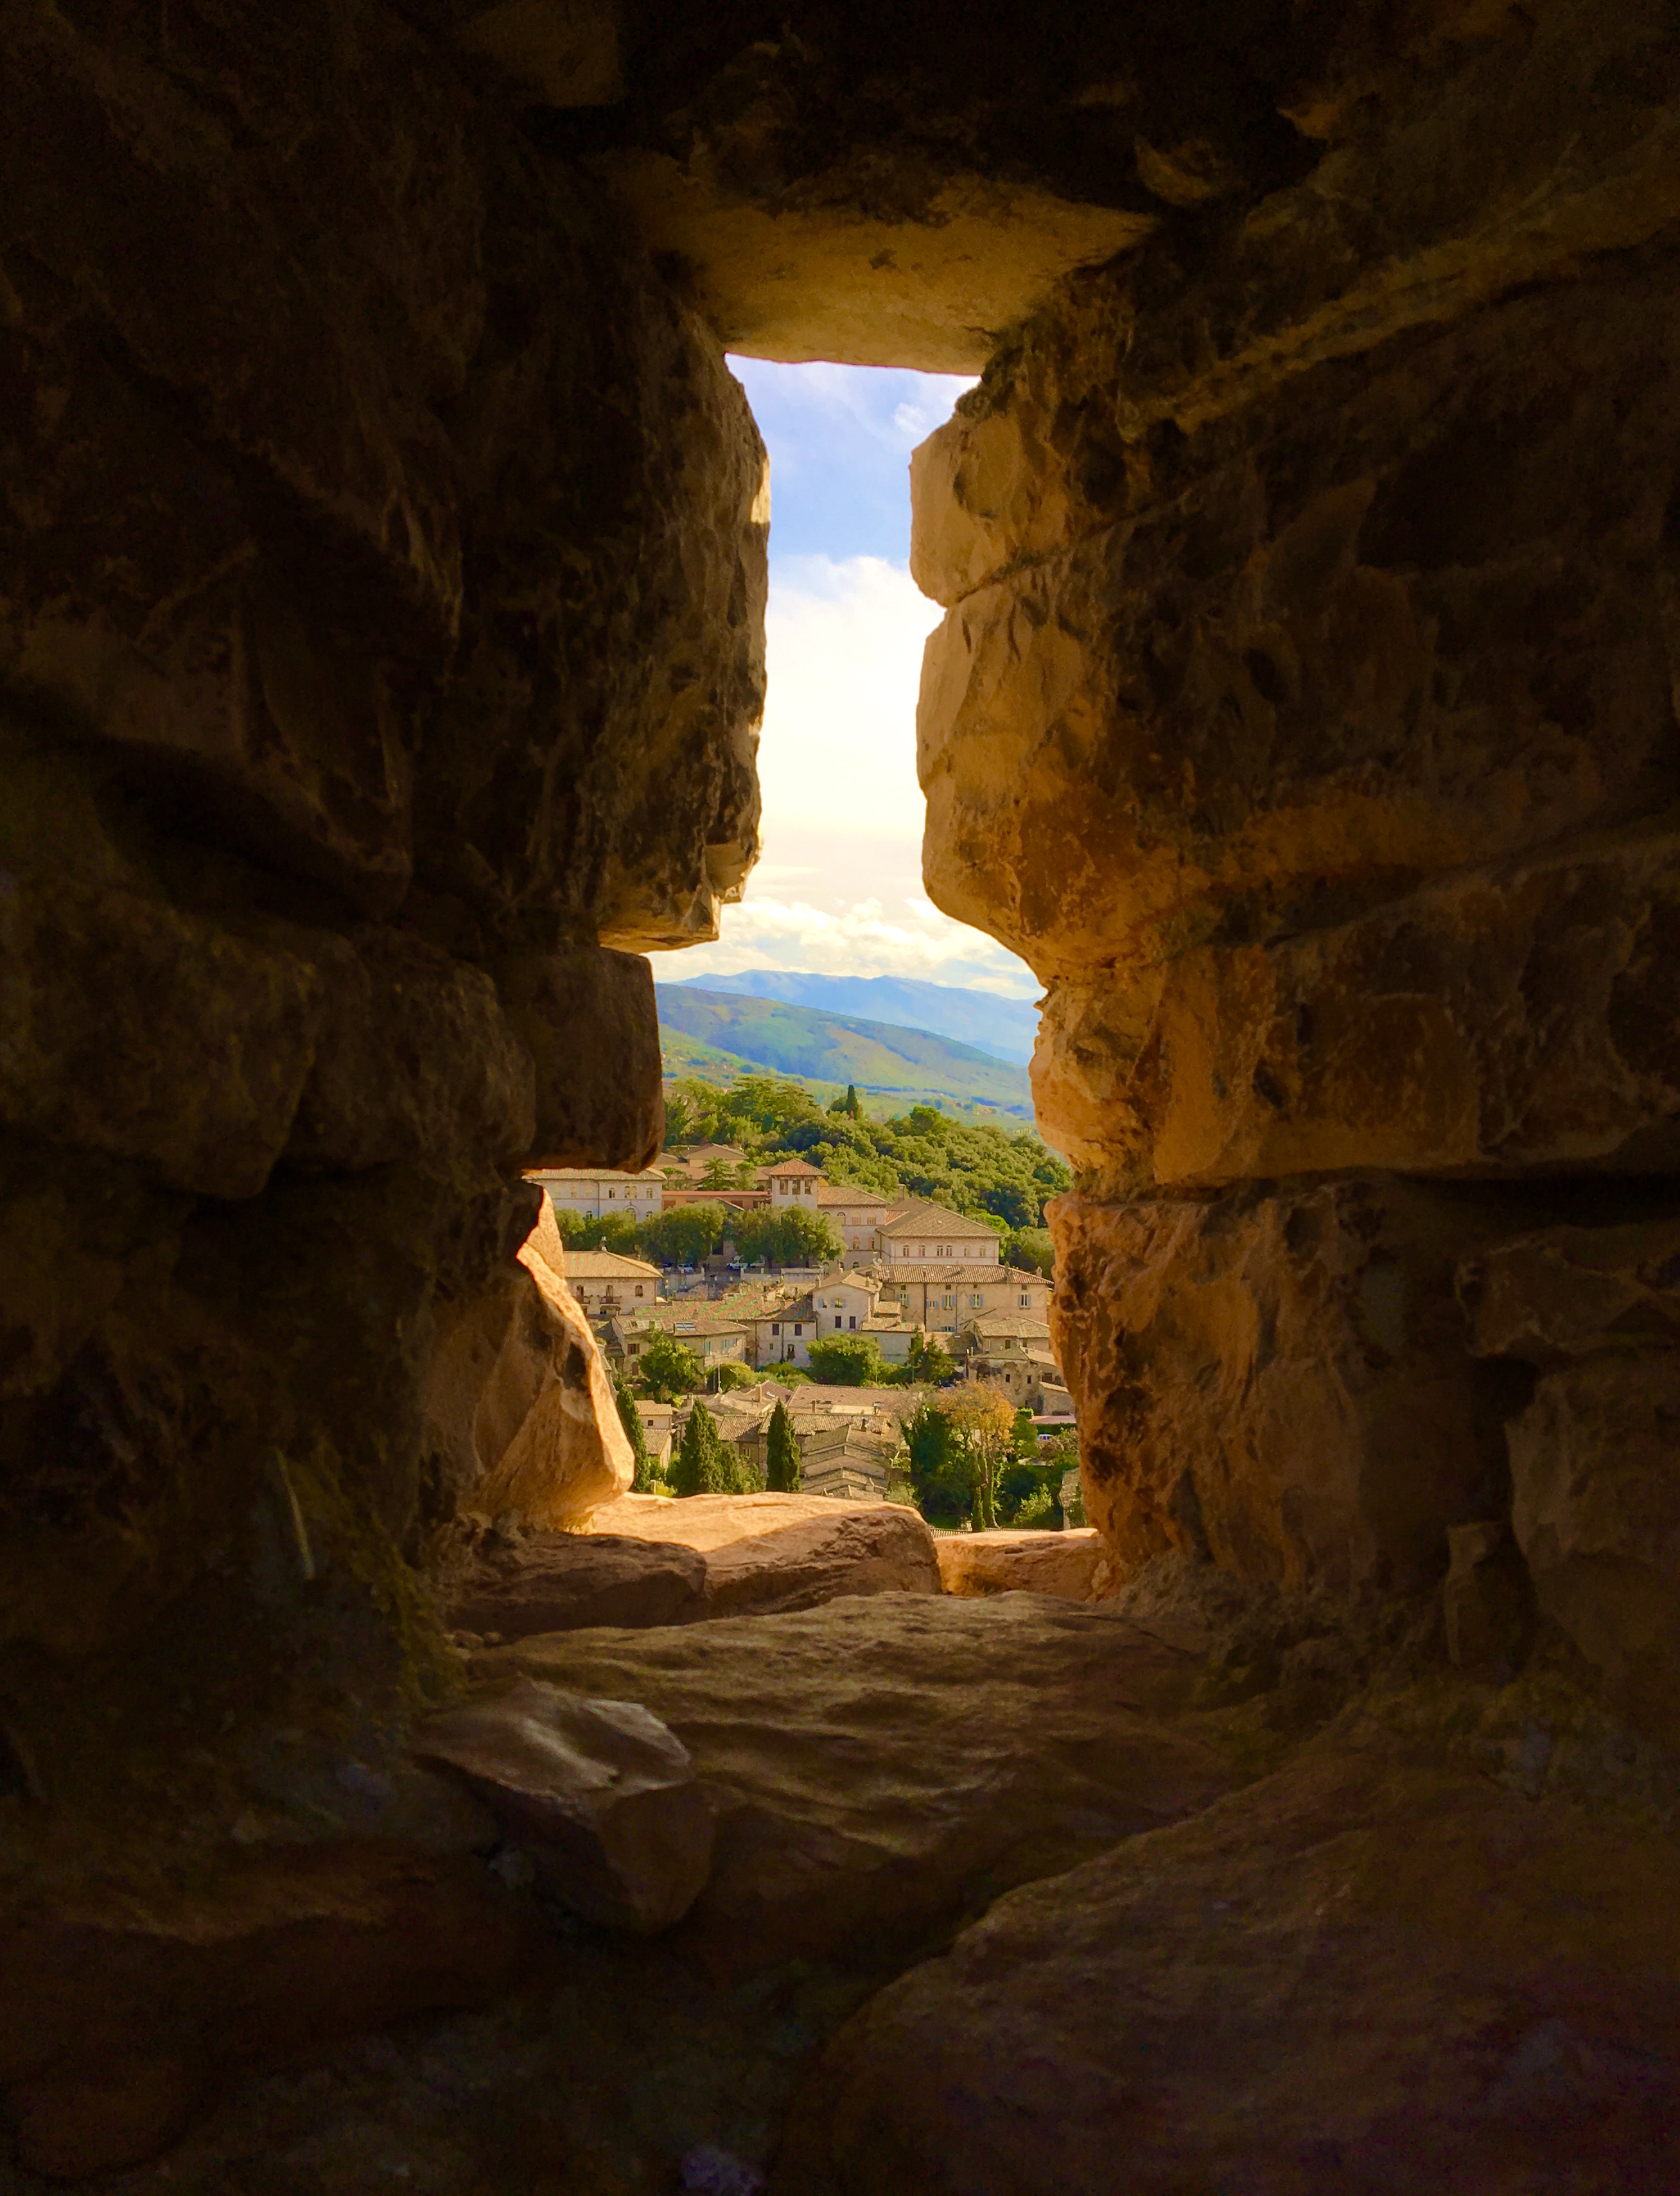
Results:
x,y
853,937
839,888
844,645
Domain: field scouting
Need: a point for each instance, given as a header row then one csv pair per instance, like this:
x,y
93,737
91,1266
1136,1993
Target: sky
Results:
x,y
838,886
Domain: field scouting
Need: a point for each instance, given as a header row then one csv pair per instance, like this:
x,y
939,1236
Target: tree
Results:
x,y
731,1374
1060,1456
636,1434
669,1368
766,1105
690,1112
849,1360
1034,1249
608,1231
701,1467
928,1363
1025,1435
934,1480
982,1428
783,1467
683,1236
786,1238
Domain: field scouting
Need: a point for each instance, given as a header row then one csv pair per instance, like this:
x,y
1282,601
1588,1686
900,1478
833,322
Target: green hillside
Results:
x,y
712,1033
688,1056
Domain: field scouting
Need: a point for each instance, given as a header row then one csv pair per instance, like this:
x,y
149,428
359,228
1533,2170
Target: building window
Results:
x,y
854,1323
776,1328
1023,1300
799,1327
638,1288
839,1322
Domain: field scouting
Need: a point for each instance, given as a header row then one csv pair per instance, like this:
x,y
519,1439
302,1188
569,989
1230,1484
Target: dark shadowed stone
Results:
x,y
588,1020
1356,1975
566,1581
600,1790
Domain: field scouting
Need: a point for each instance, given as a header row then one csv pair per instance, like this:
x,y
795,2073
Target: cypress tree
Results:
x,y
636,1434
701,1467
782,1461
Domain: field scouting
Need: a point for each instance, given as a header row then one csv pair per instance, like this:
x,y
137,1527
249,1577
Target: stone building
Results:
x,y
920,1234
604,1193
604,1283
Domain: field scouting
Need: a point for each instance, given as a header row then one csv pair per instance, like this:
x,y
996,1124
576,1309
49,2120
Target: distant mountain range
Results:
x,y
709,1033
1004,1028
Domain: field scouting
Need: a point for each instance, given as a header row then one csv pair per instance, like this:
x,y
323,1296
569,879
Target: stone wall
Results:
x,y
1306,714
381,591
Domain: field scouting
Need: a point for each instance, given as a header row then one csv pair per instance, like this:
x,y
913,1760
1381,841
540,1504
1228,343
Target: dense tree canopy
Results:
x,y
630,1419
669,1368
850,1361
783,1473
701,1467
974,1167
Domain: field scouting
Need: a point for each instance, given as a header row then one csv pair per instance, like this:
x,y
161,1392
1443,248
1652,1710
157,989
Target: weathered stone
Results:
x,y
1565,1292
1282,1379
1239,683
1066,1565
505,1586
591,770
1596,1507
554,52
645,1560
136,1030
877,1767
1486,1600
897,187
589,1021
520,1416
314,313
119,2013
1497,1022
414,1059
926,287
599,1789
772,1552
138,605
1354,1973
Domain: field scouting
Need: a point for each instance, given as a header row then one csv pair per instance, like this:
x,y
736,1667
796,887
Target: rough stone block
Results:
x,y
1269,672
414,1059
519,1409
1567,1292
589,1021
879,1766
1495,1023
1071,1565
1281,1379
1354,1973
119,2014
768,1553
599,1790
137,1030
1596,1507
1486,1600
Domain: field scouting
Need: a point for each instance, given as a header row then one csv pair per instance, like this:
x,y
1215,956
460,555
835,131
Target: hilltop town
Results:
x,y
914,1287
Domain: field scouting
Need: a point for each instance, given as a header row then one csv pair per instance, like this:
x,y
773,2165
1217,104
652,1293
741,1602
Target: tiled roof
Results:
x,y
607,1266
780,1167
927,1269
935,1219
855,1193
1009,1322
591,1174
